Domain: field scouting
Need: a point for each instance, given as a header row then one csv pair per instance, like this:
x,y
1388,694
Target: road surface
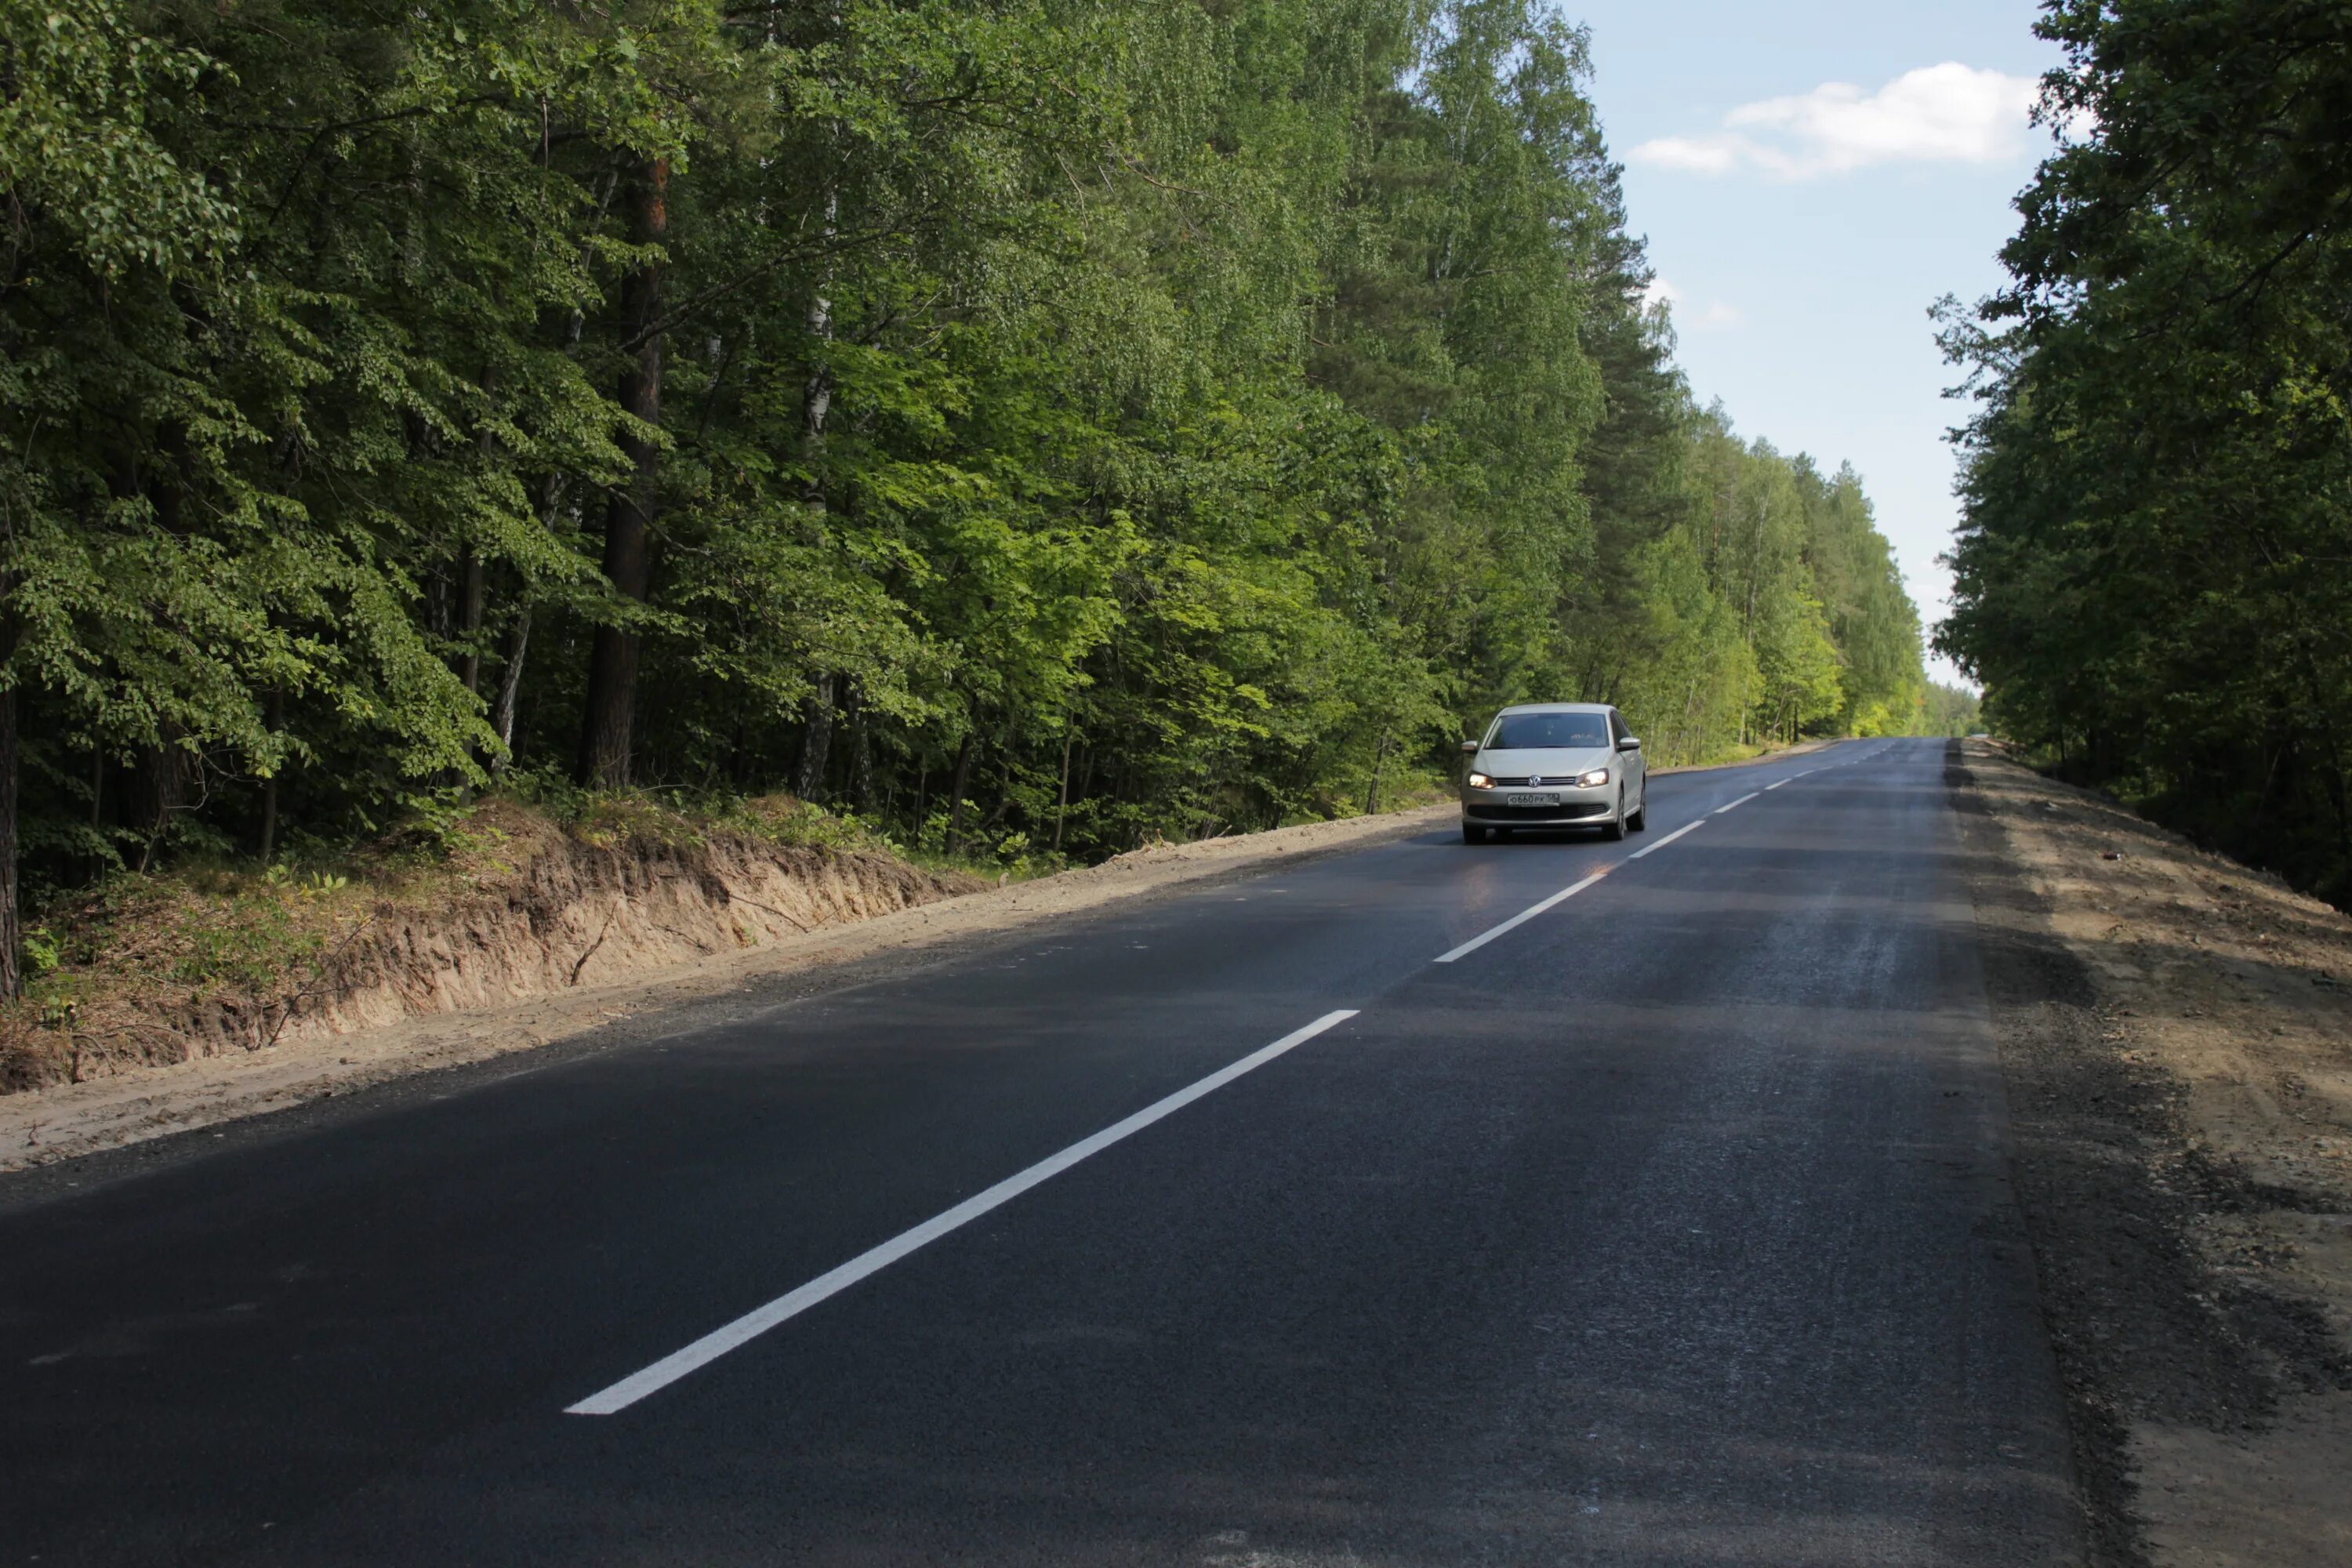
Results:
x,y
1283,1221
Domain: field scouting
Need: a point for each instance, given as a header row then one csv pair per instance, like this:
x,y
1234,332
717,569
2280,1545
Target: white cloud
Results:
x,y
1663,295
1947,113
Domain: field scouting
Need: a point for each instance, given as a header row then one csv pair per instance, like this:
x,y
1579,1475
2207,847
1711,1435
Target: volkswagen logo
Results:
x,y
1534,778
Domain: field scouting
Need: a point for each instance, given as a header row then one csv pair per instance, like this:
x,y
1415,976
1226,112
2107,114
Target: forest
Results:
x,y
2154,576
1024,427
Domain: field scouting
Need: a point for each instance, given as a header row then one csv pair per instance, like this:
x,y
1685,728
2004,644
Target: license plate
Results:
x,y
1532,800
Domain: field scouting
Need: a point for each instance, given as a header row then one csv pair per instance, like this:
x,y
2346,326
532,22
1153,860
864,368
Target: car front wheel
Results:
x,y
1472,834
1614,829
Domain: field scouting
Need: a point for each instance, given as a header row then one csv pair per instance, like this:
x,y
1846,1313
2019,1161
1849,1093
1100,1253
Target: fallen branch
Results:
x,y
583,962
294,1002
734,897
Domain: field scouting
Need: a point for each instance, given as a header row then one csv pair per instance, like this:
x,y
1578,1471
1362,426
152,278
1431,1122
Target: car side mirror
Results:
x,y
1630,744
1469,748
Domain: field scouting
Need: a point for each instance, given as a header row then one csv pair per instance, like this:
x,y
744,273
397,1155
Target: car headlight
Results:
x,y
1592,780
1480,781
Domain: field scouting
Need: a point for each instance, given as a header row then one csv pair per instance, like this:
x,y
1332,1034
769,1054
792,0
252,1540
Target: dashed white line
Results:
x,y
1522,917
692,1358
752,1324
1669,839
1776,783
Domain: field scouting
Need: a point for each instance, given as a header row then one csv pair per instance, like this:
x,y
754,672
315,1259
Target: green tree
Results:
x,y
2149,575
1032,426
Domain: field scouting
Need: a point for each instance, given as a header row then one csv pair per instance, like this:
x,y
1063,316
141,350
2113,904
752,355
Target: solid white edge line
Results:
x,y
1522,917
752,1324
1743,800
1669,839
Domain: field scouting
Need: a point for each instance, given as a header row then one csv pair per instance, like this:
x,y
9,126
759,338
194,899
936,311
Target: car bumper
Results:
x,y
1576,809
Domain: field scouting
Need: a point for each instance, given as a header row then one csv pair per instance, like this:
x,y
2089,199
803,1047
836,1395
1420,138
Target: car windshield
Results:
x,y
1548,731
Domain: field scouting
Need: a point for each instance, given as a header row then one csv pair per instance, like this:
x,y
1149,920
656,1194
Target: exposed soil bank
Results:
x,y
527,910
582,938
2176,1036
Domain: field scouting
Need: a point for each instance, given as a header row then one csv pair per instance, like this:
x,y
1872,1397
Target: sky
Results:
x,y
1812,177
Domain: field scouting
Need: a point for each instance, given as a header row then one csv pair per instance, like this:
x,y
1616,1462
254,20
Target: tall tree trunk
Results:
x,y
816,402
607,724
509,698
955,801
1062,805
861,750
12,933
816,742
158,789
472,586
269,785
816,397
471,592
502,711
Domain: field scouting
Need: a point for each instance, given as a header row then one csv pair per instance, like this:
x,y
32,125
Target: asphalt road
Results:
x,y
1668,1226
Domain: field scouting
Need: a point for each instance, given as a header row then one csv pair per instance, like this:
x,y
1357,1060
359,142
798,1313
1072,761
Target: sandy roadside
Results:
x,y
2176,1032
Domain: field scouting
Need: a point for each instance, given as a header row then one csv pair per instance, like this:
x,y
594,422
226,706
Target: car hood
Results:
x,y
1548,762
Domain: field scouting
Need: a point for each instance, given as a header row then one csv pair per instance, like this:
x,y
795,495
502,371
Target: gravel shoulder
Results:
x,y
2177,1036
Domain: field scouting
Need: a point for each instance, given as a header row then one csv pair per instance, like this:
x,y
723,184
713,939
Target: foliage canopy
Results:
x,y
1030,425
2152,574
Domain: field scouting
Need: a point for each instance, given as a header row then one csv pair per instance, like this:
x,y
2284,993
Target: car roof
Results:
x,y
1558,708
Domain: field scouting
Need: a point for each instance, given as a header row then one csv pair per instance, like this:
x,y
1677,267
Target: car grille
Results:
x,y
1571,812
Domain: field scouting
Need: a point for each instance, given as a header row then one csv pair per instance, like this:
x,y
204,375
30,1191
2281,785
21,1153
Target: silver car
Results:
x,y
1555,764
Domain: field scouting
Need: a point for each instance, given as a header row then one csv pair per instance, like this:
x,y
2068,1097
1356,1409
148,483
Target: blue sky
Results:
x,y
1811,181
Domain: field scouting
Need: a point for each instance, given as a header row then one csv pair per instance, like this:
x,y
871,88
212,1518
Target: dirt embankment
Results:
x,y
526,909
2178,1037
561,938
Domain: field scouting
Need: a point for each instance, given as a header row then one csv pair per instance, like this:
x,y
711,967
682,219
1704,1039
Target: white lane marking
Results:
x,y
1743,800
1523,917
1669,839
752,1324
1776,783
